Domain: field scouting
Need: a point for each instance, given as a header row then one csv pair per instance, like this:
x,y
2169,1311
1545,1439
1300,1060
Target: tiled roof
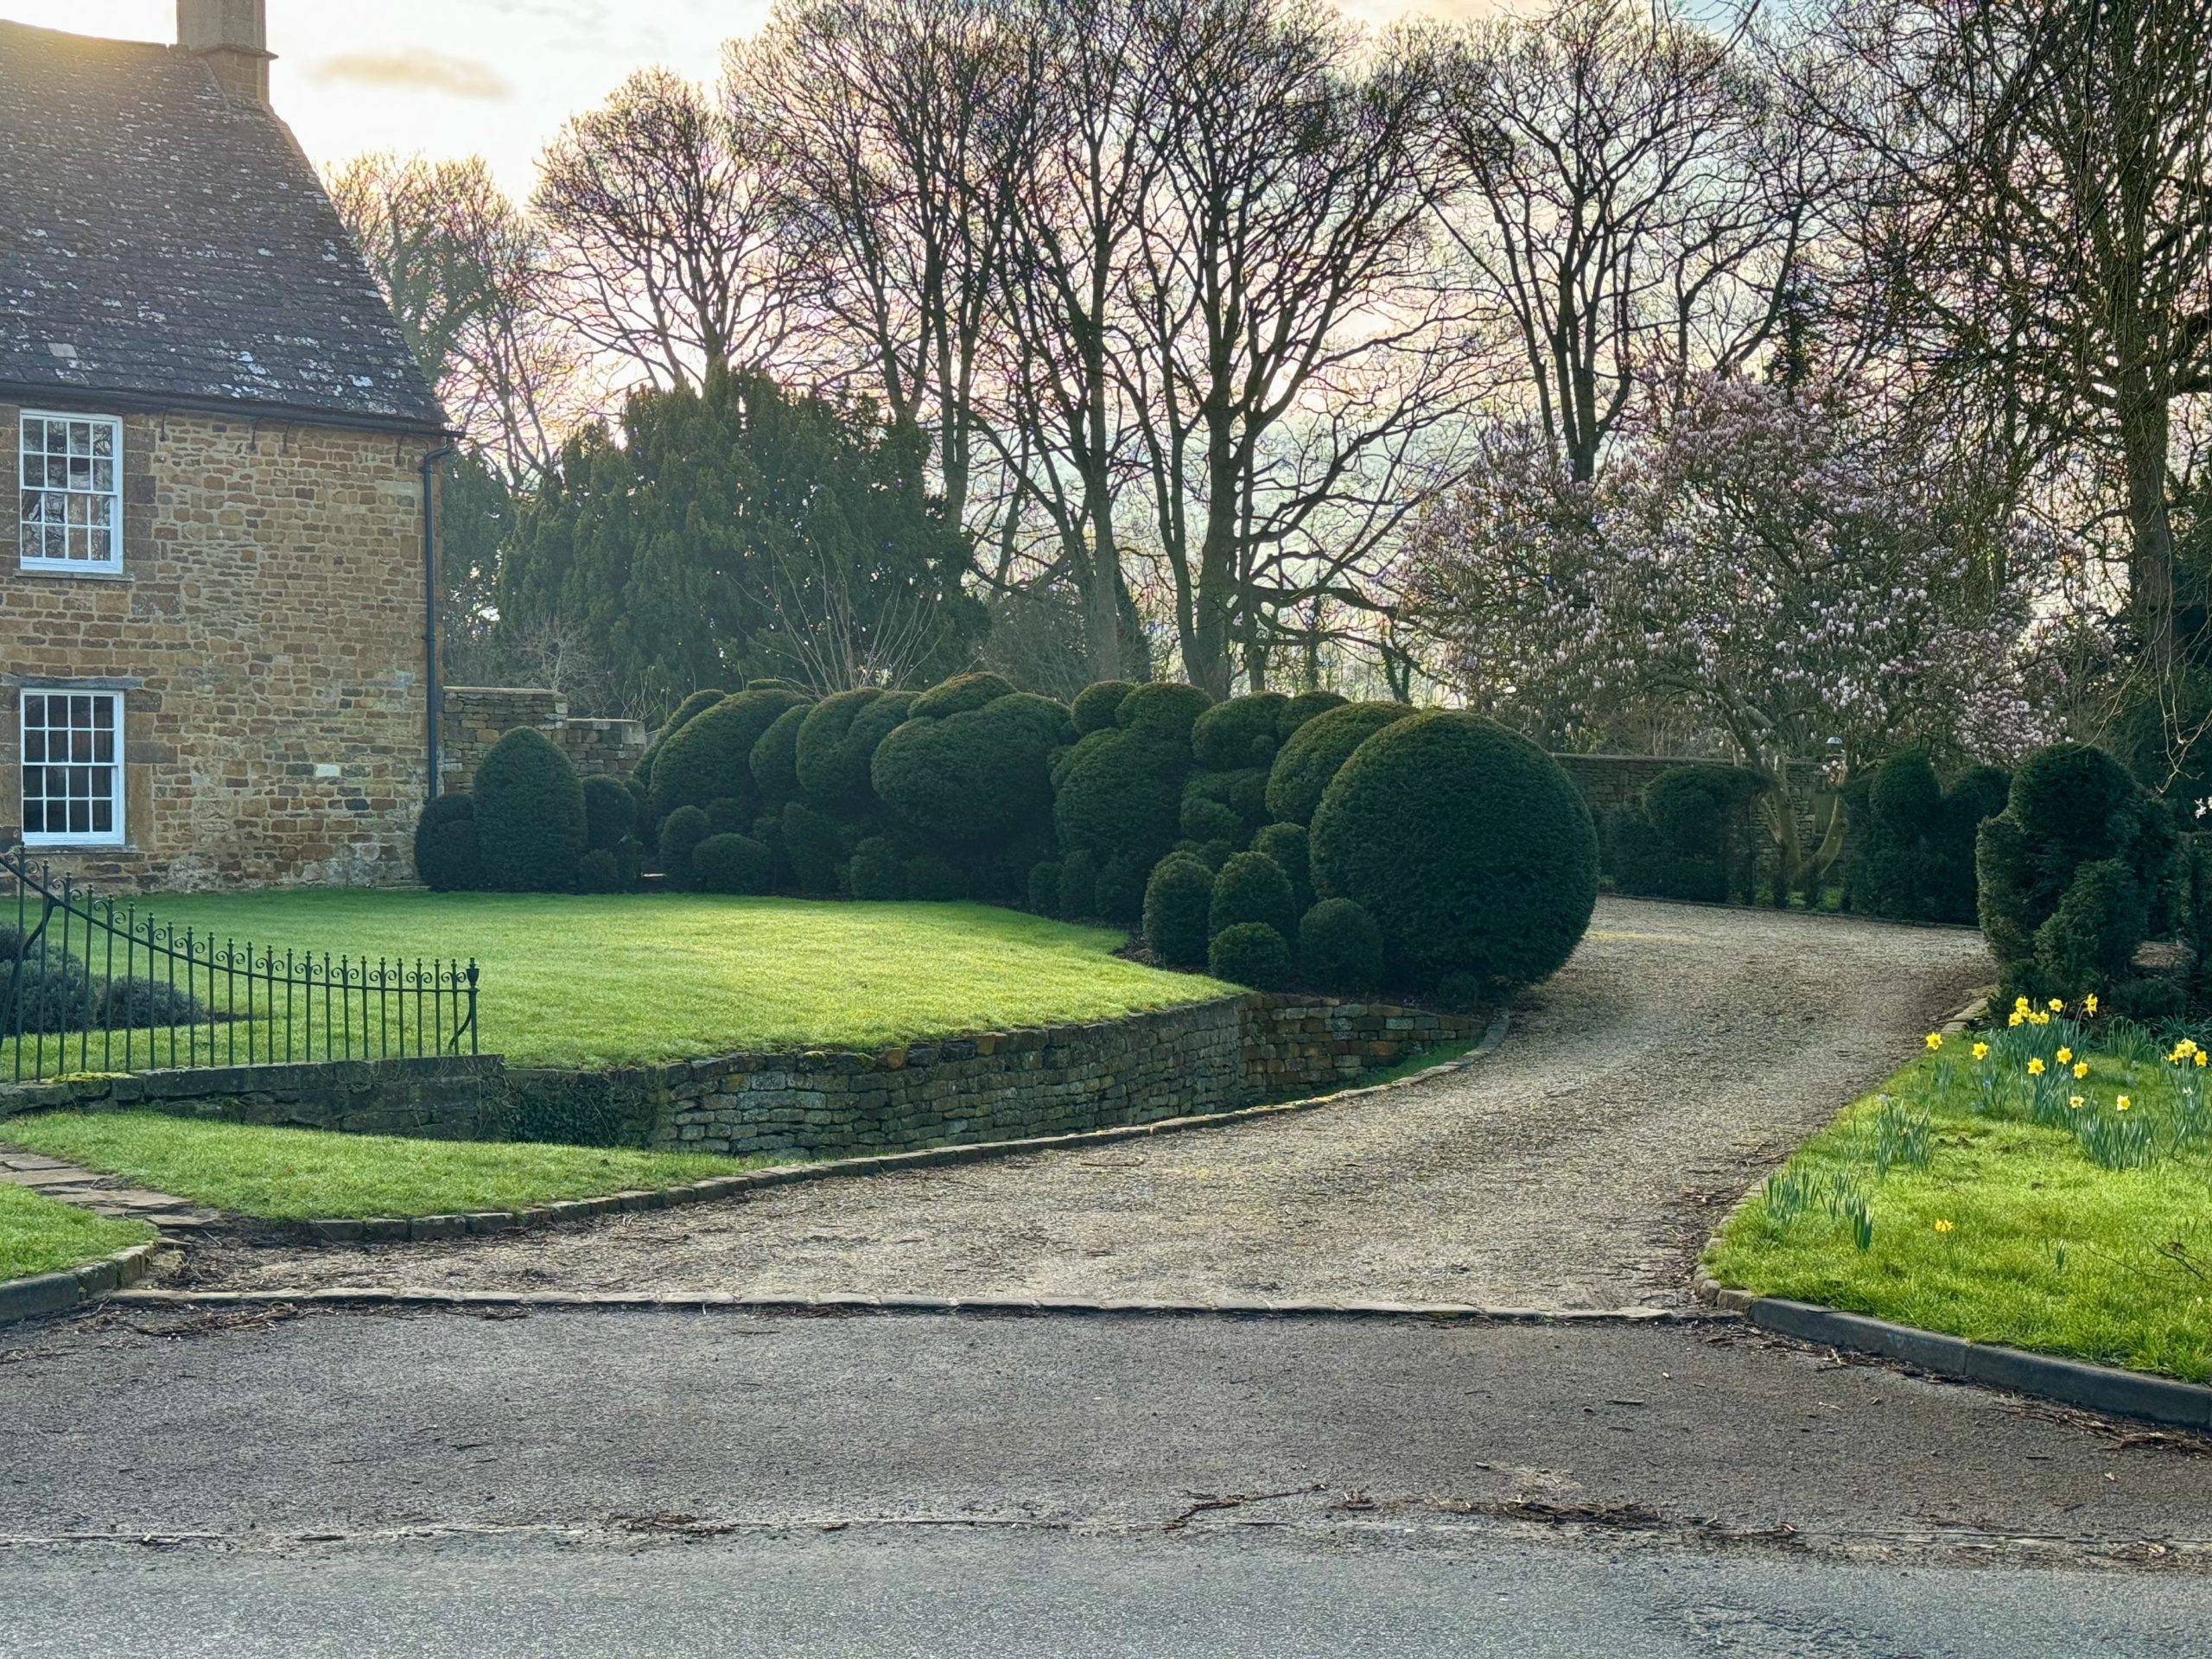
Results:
x,y
162,240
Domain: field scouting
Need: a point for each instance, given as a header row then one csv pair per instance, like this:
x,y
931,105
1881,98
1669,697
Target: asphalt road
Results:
x,y
590,1482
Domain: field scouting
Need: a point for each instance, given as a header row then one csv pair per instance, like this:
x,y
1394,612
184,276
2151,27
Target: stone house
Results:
x,y
213,579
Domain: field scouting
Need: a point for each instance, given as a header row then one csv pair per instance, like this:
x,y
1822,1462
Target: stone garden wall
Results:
x,y
472,718
1208,1057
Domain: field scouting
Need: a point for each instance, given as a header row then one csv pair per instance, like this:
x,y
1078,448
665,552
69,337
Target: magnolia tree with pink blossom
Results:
x,y
1802,581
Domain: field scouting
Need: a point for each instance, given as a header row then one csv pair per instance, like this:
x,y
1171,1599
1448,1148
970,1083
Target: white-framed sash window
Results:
x,y
72,767
71,470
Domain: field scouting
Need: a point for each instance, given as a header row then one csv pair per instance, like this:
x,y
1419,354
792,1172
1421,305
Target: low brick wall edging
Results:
x,y
57,1293
393,1230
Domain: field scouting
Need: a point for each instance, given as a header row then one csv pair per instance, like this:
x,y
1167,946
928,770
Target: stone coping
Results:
x,y
57,1293
392,1230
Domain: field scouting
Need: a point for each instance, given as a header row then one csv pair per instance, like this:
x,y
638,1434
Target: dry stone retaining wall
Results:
x,y
472,718
1207,1057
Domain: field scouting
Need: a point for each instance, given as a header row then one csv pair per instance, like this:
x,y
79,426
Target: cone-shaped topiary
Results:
x,y
1250,953
735,864
609,810
530,815
1252,888
1177,900
445,845
711,758
1310,759
1340,947
1471,848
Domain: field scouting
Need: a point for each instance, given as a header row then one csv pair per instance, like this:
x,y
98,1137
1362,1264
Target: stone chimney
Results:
x,y
231,36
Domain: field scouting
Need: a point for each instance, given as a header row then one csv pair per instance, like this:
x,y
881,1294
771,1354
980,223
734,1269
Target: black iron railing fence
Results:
x,y
89,983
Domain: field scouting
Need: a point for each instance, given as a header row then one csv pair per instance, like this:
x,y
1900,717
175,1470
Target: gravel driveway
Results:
x,y
1683,1053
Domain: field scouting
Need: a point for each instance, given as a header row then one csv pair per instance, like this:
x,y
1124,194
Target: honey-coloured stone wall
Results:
x,y
267,631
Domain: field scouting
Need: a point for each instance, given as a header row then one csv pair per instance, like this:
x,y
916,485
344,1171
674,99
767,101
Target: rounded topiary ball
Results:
x,y
1285,844
600,871
445,845
774,761
836,745
1209,820
1098,707
1250,953
1305,706
1340,947
686,711
530,815
680,835
959,694
1252,888
732,864
1177,901
878,871
1468,844
1121,791
1904,793
977,775
1312,756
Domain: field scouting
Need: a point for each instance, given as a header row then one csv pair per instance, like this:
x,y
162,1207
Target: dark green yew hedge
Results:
x,y
711,758
1312,756
445,845
530,815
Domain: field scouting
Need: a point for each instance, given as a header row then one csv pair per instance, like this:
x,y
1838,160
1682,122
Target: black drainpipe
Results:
x,y
430,612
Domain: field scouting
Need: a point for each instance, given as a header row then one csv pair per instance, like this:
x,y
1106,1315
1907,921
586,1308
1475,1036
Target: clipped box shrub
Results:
x,y
1302,707
878,871
1121,791
774,761
680,835
600,871
1635,853
1250,953
1251,888
1311,757
1340,947
710,759
732,864
530,815
959,695
445,845
1164,710
1120,889
1468,844
1178,901
978,774
1205,819
1914,842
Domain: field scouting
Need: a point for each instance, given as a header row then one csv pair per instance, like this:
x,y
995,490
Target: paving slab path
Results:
x,y
1683,1051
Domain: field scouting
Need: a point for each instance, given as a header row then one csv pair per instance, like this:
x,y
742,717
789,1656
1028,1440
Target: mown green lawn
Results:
x,y
311,1174
42,1234
2009,1232
629,978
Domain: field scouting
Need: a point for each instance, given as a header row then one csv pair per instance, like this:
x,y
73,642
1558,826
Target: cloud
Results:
x,y
415,71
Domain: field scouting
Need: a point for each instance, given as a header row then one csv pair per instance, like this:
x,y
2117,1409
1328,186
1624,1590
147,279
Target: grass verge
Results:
x,y
1971,1199
42,1234
274,1174
594,981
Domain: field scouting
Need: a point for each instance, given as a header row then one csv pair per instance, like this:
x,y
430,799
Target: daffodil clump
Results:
x,y
2045,1181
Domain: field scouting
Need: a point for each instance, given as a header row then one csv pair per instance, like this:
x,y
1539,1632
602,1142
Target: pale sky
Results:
x,y
495,77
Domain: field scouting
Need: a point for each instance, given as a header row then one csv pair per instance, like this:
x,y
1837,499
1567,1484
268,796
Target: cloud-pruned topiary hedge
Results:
x,y
445,845
1470,846
711,760
972,774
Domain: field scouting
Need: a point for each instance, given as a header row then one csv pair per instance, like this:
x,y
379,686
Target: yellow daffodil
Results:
x,y
2021,1003
2089,1003
2076,1102
1981,1051
2018,1017
1934,1041
2080,1069
2040,1018
2035,1067
1942,1226
2057,1005
2066,1057
2122,1103
2200,1059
